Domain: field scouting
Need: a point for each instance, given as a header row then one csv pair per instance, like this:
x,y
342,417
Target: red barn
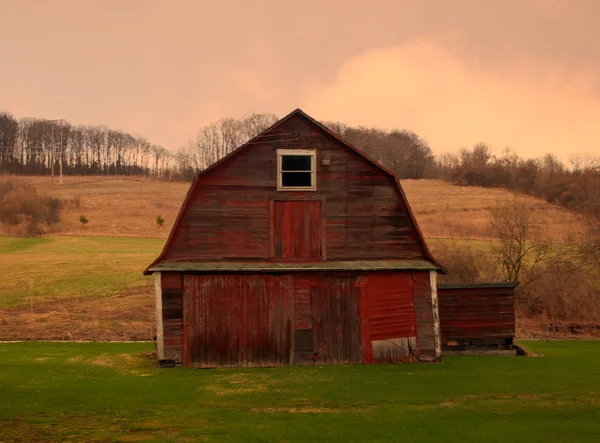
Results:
x,y
296,249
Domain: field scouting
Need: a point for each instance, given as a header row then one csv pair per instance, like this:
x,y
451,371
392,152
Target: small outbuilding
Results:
x,y
477,317
296,248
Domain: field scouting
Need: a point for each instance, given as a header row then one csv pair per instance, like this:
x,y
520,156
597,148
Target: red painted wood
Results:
x,y
297,227
476,313
239,320
390,305
335,303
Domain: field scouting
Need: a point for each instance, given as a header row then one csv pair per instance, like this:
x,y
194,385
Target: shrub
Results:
x,y
25,210
83,220
159,220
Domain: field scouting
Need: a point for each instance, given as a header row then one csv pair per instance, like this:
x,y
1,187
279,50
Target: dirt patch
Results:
x,y
592,398
126,317
220,390
299,410
136,364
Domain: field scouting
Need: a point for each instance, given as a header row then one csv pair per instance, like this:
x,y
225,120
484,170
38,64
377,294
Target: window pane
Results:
x,y
296,179
295,162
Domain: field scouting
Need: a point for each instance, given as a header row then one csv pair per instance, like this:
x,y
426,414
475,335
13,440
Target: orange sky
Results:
x,y
518,73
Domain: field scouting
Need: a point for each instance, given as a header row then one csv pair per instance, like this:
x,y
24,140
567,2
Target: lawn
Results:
x,y
41,270
111,392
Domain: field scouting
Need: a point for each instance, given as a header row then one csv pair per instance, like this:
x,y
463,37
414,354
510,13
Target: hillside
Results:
x,y
128,207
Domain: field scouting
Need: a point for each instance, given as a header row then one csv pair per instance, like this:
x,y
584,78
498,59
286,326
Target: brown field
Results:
x,y
445,210
128,207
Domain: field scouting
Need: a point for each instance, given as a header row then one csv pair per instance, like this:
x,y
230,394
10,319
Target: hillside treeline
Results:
x,y
31,145
26,148
576,187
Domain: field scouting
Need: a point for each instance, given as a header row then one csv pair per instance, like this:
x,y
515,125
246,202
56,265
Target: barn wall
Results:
x,y
476,312
363,215
304,318
172,315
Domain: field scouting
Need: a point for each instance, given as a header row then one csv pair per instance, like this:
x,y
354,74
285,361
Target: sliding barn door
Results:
x,y
237,320
297,229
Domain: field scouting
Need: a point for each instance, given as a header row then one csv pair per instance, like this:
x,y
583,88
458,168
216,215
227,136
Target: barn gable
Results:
x,y
234,209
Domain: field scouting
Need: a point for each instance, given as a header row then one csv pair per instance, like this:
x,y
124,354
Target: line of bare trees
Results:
x,y
26,148
31,145
576,187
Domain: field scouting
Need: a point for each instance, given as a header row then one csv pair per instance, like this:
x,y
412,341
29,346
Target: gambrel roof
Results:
x,y
263,137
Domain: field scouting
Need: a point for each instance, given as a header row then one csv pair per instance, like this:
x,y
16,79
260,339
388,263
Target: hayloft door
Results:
x,y
297,229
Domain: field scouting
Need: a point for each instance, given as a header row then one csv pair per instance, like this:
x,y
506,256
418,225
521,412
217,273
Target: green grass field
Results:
x,y
46,269
109,392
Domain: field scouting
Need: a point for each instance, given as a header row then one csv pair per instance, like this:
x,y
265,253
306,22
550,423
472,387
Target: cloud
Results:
x,y
530,105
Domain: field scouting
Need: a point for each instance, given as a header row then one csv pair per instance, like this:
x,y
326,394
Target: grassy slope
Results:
x,y
76,288
50,269
107,392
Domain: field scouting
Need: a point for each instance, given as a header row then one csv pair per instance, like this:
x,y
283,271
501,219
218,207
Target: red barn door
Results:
x,y
297,229
237,320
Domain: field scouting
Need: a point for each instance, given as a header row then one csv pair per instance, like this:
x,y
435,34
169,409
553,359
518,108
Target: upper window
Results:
x,y
296,170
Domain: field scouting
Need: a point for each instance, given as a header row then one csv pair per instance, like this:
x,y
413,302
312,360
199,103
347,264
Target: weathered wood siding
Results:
x,y
172,315
426,338
335,301
229,217
476,312
238,320
301,318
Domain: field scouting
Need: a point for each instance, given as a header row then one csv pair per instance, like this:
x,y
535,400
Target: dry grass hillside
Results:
x,y
128,207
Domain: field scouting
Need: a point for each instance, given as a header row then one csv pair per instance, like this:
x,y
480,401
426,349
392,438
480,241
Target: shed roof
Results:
x,y
253,266
505,284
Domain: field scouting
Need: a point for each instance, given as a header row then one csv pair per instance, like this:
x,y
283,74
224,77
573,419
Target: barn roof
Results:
x,y
272,131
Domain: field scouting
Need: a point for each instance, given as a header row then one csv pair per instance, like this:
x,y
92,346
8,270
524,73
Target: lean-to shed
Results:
x,y
477,316
296,249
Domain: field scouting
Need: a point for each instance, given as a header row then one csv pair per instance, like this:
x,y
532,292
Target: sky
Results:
x,y
523,74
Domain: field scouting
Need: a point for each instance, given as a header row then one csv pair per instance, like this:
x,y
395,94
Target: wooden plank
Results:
x,y
426,340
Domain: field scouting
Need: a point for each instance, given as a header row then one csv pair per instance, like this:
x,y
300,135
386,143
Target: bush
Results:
x,y
26,211
159,220
83,220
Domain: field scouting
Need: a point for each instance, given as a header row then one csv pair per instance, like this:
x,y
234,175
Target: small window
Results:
x,y
296,170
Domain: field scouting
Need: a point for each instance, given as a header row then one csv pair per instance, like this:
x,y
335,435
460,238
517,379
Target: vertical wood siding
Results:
x,y
364,216
476,313
335,301
238,320
172,315
303,318
297,226
426,338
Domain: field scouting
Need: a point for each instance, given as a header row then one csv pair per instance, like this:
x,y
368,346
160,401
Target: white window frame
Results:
x,y
313,169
